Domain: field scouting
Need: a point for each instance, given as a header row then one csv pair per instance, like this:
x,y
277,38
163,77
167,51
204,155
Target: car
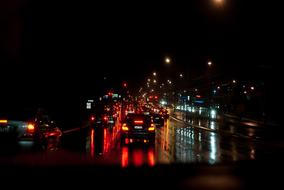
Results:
x,y
27,126
158,120
13,130
102,116
138,126
164,113
46,132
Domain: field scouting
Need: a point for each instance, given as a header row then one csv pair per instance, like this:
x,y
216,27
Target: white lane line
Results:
x,y
75,129
71,130
196,126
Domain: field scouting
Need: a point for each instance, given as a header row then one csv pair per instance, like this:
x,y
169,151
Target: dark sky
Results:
x,y
72,45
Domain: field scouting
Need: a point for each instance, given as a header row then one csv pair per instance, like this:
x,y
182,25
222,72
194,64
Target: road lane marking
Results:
x,y
196,126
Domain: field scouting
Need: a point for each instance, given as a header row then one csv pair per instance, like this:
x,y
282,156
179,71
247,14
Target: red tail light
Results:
x,y
31,127
138,122
105,118
92,118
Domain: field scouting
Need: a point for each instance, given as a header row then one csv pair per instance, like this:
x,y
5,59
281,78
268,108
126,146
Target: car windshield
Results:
x,y
203,75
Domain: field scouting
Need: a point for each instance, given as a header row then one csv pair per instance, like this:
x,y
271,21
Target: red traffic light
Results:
x,y
124,84
92,118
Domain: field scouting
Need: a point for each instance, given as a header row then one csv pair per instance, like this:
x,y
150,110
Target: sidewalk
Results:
x,y
233,126
227,118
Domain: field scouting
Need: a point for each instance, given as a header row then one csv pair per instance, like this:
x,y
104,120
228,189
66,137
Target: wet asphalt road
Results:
x,y
175,142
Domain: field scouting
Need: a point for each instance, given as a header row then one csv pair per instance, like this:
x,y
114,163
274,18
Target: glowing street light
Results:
x,y
149,80
252,88
154,81
234,81
209,63
219,1
168,60
154,74
181,75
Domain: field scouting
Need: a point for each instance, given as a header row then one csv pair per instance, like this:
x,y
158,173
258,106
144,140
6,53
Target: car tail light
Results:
x,y
92,118
152,128
138,122
124,127
31,127
105,118
3,121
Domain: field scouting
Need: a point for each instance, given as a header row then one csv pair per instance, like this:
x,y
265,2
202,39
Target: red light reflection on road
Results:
x,y
138,158
124,157
151,157
92,144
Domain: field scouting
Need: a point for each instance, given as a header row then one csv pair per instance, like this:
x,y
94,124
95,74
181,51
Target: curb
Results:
x,y
214,131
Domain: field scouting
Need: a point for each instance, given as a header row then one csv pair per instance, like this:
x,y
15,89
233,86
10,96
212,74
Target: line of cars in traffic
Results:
x,y
137,121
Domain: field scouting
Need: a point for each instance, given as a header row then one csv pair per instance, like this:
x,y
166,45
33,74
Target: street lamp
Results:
x,y
154,81
168,60
209,63
181,75
219,1
154,74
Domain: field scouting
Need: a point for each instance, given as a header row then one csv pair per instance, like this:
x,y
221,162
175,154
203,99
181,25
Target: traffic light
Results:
x,y
124,84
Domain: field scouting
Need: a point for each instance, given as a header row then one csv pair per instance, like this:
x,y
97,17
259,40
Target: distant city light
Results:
x,y
148,80
218,87
234,81
252,88
154,81
213,114
163,102
181,75
154,74
245,92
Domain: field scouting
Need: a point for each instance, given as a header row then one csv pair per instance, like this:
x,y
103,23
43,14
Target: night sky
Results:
x,y
69,47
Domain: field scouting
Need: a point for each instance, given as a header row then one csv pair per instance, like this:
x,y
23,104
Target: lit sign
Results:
x,y
89,106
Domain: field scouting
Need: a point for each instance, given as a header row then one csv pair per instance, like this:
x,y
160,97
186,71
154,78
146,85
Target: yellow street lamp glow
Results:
x,y
168,60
